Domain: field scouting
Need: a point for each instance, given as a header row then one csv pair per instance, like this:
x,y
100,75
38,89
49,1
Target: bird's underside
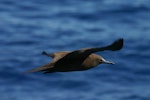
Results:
x,y
77,60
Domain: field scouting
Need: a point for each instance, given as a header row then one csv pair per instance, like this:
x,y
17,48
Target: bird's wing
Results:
x,y
41,68
56,55
48,54
78,56
116,45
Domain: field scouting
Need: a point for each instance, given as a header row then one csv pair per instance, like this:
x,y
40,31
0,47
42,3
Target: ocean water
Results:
x,y
28,27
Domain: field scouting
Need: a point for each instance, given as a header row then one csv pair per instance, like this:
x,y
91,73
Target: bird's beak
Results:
x,y
108,62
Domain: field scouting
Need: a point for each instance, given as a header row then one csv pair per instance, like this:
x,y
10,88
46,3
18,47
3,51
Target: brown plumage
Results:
x,y
77,60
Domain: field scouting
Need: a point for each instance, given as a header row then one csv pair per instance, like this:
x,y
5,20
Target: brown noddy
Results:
x,y
78,60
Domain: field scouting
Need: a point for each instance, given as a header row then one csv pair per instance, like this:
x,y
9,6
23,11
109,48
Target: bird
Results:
x,y
77,60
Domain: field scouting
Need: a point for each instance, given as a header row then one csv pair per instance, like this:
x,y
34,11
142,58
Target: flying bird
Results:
x,y
78,60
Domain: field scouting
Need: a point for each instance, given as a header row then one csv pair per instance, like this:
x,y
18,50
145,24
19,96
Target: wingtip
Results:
x,y
44,53
28,71
117,45
121,40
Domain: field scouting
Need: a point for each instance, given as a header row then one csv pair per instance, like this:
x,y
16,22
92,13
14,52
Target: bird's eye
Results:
x,y
99,60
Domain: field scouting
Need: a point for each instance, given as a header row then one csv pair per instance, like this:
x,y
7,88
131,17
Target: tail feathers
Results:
x,y
39,69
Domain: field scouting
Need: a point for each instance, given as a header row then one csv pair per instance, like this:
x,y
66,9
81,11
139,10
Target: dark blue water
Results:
x,y
27,27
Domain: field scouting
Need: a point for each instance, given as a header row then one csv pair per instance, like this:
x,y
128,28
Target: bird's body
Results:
x,y
77,60
76,64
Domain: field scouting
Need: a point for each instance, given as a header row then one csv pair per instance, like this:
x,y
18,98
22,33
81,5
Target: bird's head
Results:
x,y
101,60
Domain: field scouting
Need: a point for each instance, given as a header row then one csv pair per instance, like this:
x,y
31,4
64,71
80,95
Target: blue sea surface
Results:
x,y
28,27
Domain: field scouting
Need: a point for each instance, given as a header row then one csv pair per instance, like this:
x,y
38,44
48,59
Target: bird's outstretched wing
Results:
x,y
41,68
48,54
78,56
116,45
